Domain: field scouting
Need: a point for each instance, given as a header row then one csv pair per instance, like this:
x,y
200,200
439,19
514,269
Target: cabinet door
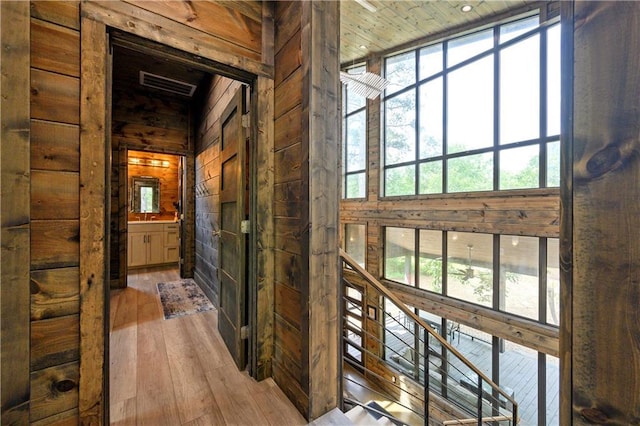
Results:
x,y
155,248
171,254
137,249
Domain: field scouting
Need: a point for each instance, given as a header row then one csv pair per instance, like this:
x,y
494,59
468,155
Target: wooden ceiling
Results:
x,y
396,23
127,65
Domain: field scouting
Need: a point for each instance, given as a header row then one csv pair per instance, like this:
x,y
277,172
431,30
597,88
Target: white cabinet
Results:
x,y
150,243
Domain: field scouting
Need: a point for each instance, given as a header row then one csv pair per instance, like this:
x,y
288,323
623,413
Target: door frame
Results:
x,y
95,119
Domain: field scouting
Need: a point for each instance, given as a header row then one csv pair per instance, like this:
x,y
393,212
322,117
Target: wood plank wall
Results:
x,y
288,205
601,354
207,182
320,175
15,211
55,212
45,384
305,164
168,177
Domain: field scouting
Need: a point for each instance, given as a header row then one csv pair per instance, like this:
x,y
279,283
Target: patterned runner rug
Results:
x,y
183,297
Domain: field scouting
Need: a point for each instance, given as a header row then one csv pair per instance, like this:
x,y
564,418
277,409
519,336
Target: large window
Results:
x,y
474,113
354,141
355,243
501,272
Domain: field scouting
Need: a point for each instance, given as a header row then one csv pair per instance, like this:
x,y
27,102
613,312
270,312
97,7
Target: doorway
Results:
x,y
167,104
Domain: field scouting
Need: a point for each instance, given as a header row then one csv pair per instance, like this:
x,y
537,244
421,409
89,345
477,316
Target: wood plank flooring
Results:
x,y
178,371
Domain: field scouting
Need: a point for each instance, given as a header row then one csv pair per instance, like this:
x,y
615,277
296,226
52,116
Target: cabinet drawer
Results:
x,y
145,227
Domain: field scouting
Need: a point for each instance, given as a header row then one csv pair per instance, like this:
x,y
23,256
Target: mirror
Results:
x,y
145,194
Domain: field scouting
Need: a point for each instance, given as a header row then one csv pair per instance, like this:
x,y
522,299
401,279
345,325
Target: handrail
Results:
x,y
388,294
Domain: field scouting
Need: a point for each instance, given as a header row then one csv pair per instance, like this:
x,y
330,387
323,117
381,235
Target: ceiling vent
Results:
x,y
167,84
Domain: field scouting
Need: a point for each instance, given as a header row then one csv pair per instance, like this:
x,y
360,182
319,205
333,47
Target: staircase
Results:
x,y
390,354
364,415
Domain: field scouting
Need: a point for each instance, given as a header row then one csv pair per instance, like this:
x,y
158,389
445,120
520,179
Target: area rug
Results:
x,y
183,297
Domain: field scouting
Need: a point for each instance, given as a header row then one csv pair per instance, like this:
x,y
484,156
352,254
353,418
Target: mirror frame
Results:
x,y
136,185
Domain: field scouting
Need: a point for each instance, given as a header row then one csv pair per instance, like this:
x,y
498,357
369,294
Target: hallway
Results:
x,y
178,371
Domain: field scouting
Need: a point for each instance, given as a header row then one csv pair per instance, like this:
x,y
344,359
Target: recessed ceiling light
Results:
x,y
363,47
466,8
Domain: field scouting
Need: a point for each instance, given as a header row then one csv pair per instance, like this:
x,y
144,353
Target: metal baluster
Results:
x,y
479,400
426,377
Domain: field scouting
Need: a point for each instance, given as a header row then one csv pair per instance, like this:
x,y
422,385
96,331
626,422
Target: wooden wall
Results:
x,y
168,177
305,164
290,268
207,182
55,212
52,349
15,135
600,360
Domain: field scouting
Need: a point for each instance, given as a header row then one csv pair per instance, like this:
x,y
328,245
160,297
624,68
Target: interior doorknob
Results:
x,y
215,233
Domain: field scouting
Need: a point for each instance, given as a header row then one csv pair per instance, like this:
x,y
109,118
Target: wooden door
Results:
x,y
231,246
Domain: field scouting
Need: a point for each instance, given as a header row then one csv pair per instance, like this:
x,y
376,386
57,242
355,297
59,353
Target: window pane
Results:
x,y
519,280
356,186
519,375
553,281
431,260
353,293
355,101
400,181
430,60
400,128
519,167
431,177
514,29
400,71
465,47
553,164
470,267
475,345
399,258
553,80
355,242
520,91
553,394
356,143
470,107
431,119
470,173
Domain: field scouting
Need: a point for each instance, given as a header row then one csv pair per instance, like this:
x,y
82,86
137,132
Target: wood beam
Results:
x,y
94,210
321,141
604,200
15,211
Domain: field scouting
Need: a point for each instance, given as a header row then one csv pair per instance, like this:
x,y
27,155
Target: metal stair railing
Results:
x,y
405,362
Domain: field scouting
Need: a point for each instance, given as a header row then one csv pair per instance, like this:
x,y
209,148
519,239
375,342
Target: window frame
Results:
x,y
542,141
346,115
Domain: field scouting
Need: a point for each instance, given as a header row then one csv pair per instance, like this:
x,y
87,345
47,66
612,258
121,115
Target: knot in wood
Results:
x,y
593,415
65,385
603,161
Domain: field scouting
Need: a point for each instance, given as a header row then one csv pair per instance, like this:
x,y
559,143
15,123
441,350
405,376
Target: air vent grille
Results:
x,y
167,84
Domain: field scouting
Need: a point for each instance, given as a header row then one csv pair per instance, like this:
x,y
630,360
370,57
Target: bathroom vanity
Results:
x,y
153,243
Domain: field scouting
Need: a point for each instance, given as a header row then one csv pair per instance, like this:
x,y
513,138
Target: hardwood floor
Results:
x,y
178,371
